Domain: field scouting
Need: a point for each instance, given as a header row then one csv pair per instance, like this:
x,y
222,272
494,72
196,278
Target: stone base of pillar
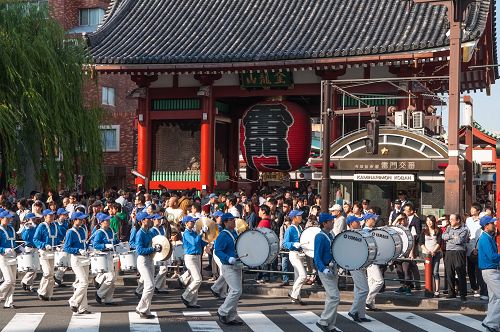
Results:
x,y
453,188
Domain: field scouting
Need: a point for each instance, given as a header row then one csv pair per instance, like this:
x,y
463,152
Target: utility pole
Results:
x,y
326,113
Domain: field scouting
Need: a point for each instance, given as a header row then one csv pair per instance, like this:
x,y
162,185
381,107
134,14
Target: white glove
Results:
x,y
58,249
27,249
82,252
48,247
327,272
203,230
109,246
296,245
8,250
232,260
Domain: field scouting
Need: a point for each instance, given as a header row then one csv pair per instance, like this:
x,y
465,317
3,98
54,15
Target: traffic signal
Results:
x,y
371,141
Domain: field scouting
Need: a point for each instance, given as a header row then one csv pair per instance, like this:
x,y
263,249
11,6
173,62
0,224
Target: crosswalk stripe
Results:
x,y
307,318
85,323
24,323
462,319
137,324
257,321
196,313
204,326
419,322
374,325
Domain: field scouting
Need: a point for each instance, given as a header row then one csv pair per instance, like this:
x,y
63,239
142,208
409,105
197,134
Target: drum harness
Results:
x,y
52,237
80,238
110,240
11,239
158,230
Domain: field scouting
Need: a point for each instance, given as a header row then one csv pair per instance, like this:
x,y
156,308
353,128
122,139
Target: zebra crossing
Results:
x,y
258,321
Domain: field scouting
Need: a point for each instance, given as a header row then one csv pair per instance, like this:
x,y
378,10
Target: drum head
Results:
x,y
252,247
350,250
307,240
385,246
406,239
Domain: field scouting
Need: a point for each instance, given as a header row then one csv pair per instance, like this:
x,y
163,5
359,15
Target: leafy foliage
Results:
x,y
42,113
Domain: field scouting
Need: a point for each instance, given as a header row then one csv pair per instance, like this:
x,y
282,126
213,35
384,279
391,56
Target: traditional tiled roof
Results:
x,y
228,31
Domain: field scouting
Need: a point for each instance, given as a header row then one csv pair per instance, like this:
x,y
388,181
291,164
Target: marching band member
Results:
x,y
373,272
75,244
292,244
225,250
145,266
358,309
7,254
161,277
219,288
63,225
327,272
193,247
27,235
46,238
140,216
104,240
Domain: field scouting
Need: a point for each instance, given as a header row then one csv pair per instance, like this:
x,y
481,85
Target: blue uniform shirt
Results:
x,y
143,244
225,246
42,238
103,237
27,235
487,252
131,240
157,231
292,235
322,250
62,228
7,240
192,242
74,242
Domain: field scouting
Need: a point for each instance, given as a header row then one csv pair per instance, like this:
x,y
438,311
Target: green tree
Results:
x,y
42,113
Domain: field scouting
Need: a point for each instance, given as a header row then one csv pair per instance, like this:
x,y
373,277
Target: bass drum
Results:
x,y
257,247
307,240
354,250
406,238
389,245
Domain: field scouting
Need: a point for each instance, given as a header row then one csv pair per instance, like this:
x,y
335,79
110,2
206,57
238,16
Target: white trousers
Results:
x,y
492,280
79,298
193,264
9,283
360,292
146,268
220,285
232,275
299,272
332,299
46,287
375,282
107,281
161,278
29,278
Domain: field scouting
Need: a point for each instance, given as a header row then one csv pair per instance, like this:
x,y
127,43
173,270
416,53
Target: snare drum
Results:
x,y
29,261
101,263
389,245
62,259
354,250
257,247
307,240
406,238
128,261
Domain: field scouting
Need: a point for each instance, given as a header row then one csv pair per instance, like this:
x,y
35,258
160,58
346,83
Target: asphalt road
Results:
x,y
262,314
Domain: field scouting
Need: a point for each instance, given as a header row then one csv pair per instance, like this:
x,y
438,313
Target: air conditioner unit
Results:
x,y
418,120
400,118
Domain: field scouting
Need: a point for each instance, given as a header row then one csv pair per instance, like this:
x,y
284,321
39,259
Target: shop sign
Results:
x,y
266,80
387,164
384,177
273,176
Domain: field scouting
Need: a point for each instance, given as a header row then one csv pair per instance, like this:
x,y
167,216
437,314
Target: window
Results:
x,y
110,135
91,16
108,96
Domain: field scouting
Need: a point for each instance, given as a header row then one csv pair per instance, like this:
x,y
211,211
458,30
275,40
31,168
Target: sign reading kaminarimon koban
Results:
x,y
275,136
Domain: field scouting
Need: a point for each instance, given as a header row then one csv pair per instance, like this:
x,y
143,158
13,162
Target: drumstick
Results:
x,y
243,256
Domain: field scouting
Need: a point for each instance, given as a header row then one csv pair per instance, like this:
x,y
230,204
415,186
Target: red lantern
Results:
x,y
275,136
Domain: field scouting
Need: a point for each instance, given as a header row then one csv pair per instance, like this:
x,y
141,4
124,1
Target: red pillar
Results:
x,y
207,147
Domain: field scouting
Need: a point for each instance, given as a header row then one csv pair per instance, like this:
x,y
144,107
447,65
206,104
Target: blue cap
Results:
x,y
102,217
47,212
62,211
156,216
485,220
370,216
150,216
212,195
218,214
295,213
226,216
188,219
324,217
6,214
141,216
352,219
30,216
78,215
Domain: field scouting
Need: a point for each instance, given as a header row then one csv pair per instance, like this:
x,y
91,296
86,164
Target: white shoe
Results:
x,y
476,293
